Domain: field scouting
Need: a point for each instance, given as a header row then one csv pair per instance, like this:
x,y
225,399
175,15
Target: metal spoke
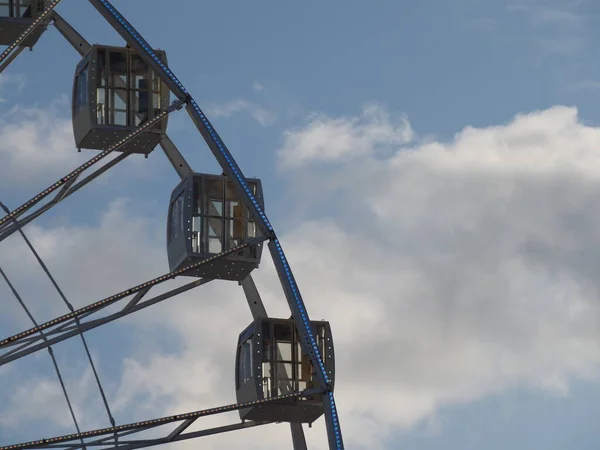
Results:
x,y
155,423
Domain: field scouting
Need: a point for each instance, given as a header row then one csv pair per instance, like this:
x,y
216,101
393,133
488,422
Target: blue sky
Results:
x,y
431,169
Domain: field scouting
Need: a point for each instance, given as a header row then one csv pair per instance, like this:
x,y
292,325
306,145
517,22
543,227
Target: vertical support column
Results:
x,y
175,157
298,436
76,40
257,308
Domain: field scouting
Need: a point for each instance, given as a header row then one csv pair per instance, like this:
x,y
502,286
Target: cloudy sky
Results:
x,y
432,169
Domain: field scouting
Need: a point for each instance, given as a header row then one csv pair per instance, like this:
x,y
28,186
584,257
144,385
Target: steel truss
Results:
x,y
112,436
72,324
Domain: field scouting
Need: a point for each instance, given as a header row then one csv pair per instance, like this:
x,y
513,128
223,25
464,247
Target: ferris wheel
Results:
x,y
216,230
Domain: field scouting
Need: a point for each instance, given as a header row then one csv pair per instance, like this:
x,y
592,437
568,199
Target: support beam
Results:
x,y
136,299
180,429
176,159
298,436
106,435
11,58
66,190
76,40
257,308
86,310
70,329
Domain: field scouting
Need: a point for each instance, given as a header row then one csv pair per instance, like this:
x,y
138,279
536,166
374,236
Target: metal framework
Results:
x,y
77,322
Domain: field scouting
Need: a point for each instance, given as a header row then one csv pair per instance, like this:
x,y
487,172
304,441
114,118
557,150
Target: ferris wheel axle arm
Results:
x,y
11,58
113,299
186,419
66,190
77,41
110,442
70,328
175,157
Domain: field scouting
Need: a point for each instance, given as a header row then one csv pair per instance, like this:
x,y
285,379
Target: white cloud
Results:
x,y
449,271
37,144
17,81
558,26
482,23
553,27
37,147
42,399
259,113
326,139
36,399
89,252
560,45
592,85
256,86
558,15
89,263
468,263
552,16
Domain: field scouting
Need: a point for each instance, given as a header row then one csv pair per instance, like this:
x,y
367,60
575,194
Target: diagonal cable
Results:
x,y
70,306
50,351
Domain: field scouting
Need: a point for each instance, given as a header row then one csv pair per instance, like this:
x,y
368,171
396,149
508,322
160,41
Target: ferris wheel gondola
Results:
x,y
115,92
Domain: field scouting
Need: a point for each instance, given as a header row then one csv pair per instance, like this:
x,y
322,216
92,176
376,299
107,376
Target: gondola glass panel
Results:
x,y
16,16
122,94
213,220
